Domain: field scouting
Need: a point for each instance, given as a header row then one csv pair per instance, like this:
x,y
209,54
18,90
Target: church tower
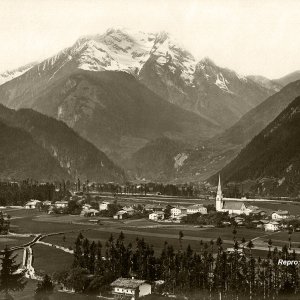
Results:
x,y
219,197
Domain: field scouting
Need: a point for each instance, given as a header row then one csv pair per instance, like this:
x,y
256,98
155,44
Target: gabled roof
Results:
x,y
273,223
233,205
178,207
120,212
195,206
281,212
157,213
127,283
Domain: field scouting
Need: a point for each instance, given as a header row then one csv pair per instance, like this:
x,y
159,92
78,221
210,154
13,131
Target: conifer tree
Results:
x,y
44,289
11,279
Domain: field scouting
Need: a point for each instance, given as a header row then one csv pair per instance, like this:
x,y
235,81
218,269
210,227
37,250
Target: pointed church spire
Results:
x,y
219,191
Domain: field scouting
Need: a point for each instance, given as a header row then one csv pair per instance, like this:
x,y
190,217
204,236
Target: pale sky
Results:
x,y
248,36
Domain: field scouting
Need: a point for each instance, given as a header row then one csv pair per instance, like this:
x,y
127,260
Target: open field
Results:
x,y
11,241
28,294
49,260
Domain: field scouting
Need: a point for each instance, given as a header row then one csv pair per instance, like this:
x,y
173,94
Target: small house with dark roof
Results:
x,y
131,289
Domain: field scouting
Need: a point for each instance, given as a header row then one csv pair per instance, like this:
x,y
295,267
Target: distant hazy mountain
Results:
x,y
266,82
71,155
159,61
273,154
288,78
21,157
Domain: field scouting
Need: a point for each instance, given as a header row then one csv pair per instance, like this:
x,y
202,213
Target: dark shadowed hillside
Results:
x,y
117,113
273,153
158,160
21,157
77,157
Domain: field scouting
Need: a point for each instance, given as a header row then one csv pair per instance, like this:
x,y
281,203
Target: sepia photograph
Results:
x,y
149,150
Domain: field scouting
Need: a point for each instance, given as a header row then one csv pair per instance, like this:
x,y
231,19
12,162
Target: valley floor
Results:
x,y
54,252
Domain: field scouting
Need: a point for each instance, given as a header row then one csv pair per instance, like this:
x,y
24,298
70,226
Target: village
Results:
x,y
226,211
53,226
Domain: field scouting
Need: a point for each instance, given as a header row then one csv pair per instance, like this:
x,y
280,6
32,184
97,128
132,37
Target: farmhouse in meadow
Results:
x,y
126,288
280,215
33,204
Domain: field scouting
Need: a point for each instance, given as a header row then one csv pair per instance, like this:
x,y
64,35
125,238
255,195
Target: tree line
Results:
x,y
210,270
18,193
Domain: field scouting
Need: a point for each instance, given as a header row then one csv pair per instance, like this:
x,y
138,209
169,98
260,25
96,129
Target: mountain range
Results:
x,y
146,102
160,62
122,89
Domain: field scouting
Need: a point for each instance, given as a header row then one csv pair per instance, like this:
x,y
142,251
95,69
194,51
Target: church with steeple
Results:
x,y
230,205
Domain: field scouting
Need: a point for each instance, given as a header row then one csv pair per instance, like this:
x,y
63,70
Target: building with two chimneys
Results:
x,y
230,205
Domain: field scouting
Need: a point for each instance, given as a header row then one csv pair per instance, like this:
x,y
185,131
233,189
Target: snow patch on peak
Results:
x,y
221,82
241,77
11,74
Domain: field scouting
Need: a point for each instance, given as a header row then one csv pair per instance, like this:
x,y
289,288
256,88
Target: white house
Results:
x,y
178,210
89,212
197,208
271,226
156,216
33,204
104,205
120,215
61,204
126,288
280,215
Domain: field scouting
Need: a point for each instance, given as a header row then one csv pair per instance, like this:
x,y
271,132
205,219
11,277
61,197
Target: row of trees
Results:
x,y
185,190
184,271
13,193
